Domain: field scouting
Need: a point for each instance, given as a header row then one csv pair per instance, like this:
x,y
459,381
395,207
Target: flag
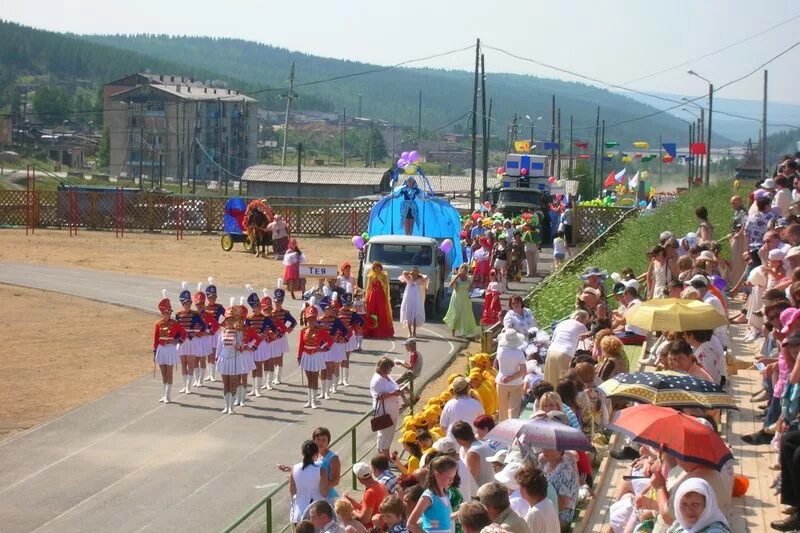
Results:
x,y
698,149
626,159
611,144
583,156
670,148
619,176
634,181
609,180
667,158
550,146
638,155
522,147
582,146
641,145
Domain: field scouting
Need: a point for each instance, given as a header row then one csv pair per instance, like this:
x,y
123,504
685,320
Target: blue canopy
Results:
x,y
233,220
436,217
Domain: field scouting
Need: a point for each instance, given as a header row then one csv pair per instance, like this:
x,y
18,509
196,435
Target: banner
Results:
x,y
620,176
582,146
698,149
550,146
641,145
522,147
610,179
670,148
611,144
634,181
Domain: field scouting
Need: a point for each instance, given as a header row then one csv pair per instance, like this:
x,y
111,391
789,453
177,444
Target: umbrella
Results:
x,y
540,433
679,435
674,314
668,389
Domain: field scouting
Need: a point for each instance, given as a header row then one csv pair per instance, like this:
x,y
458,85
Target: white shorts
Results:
x,y
167,355
386,437
249,361
312,362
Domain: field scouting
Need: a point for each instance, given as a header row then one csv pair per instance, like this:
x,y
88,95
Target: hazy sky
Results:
x,y
615,41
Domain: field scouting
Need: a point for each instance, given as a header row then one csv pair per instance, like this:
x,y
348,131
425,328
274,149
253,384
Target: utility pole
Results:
x,y
691,161
602,153
141,157
708,142
299,166
558,152
360,96
419,119
763,130
701,130
660,162
571,169
484,146
514,129
474,125
553,134
597,149
344,131
289,96
488,136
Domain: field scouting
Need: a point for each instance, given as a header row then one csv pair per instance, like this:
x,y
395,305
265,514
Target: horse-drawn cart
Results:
x,y
241,220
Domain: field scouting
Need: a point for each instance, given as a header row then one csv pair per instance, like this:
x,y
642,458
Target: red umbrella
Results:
x,y
680,435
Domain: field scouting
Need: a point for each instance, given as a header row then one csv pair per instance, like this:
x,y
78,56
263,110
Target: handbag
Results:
x,y
381,422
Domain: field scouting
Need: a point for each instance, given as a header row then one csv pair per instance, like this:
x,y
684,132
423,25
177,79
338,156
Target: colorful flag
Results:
x,y
670,148
582,146
619,176
522,147
698,149
638,155
634,181
667,158
626,159
641,145
550,146
583,156
609,180
611,144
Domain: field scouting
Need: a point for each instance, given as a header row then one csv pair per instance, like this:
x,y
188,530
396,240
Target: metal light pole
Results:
x,y
710,113
533,123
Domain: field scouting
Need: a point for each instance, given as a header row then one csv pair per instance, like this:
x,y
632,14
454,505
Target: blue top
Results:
x,y
325,464
571,416
436,517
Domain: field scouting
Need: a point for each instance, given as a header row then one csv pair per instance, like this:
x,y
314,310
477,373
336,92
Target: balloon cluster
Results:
x,y
446,246
408,161
360,240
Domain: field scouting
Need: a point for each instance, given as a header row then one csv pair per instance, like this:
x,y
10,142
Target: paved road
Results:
x,y
125,462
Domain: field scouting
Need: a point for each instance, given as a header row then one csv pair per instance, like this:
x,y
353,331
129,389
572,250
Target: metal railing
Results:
x,y
265,504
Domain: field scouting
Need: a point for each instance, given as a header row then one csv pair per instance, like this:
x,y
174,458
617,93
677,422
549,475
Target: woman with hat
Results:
x,y
212,313
166,337
191,322
378,304
410,442
512,364
459,315
291,274
491,301
269,342
314,341
594,277
354,324
230,354
285,323
263,326
204,337
481,258
412,306
336,353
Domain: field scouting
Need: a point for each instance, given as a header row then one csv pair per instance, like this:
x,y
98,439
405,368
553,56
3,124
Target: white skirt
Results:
x,y
232,365
190,347
352,344
167,354
203,346
249,360
280,346
312,362
262,353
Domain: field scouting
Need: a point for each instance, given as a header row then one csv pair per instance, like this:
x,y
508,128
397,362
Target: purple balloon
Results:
x,y
402,162
720,283
413,156
358,242
446,246
404,155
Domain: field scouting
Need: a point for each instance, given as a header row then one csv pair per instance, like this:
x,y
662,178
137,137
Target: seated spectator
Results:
x,y
709,355
681,359
374,493
462,407
539,390
382,474
568,392
542,516
625,332
410,442
494,498
473,517
321,515
483,425
551,401
613,359
344,512
561,471
474,452
393,515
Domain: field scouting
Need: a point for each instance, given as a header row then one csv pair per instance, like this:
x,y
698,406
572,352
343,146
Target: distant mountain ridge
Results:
x,y
393,94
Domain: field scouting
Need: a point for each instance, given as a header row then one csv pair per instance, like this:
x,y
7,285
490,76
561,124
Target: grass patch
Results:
x,y
555,298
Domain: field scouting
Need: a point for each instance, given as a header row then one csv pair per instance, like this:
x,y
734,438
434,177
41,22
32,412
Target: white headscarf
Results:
x,y
710,514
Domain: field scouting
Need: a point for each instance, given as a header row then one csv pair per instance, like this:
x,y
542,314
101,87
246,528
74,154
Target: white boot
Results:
x,y
226,398
277,380
310,398
202,377
211,369
332,386
267,380
256,383
255,387
196,377
345,375
314,403
164,398
236,395
340,381
187,384
323,390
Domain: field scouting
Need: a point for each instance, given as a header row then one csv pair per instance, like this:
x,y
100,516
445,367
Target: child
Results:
x,y
413,364
393,515
291,274
560,249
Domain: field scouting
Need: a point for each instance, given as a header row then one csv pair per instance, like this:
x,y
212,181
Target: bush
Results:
x,y
555,298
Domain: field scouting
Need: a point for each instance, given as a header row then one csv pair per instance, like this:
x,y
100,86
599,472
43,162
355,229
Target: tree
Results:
x,y
583,174
51,104
104,150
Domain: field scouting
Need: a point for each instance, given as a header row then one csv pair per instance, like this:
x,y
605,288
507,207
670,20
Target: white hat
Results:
x,y
698,279
409,341
769,183
776,255
665,236
499,457
445,445
690,238
509,338
362,470
793,251
506,476
707,255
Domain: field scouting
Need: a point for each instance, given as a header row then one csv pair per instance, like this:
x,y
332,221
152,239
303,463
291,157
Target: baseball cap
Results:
x,y
698,281
362,470
769,183
460,384
506,476
618,288
760,193
445,445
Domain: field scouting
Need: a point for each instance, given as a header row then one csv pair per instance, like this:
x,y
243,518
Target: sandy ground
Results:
x,y
191,259
76,351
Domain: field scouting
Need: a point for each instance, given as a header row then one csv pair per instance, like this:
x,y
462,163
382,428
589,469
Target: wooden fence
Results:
x,y
591,222
162,212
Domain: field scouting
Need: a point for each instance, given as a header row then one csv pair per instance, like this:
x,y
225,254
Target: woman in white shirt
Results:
x,y
307,482
511,362
563,344
518,317
386,398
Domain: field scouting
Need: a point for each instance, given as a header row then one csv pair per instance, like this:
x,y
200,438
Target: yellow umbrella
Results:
x,y
674,314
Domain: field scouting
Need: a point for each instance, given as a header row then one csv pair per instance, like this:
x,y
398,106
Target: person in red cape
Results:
x,y
491,301
379,309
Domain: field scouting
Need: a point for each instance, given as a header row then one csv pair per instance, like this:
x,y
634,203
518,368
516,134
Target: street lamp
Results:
x,y
533,123
710,111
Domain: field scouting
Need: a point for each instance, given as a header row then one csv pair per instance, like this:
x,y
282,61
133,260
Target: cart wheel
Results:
x,y
227,242
249,245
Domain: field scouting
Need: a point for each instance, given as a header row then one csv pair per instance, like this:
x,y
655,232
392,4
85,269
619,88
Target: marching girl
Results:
x,y
335,355
251,339
285,323
360,308
291,274
203,338
230,351
354,323
190,349
212,314
314,341
166,337
271,335
481,258
261,325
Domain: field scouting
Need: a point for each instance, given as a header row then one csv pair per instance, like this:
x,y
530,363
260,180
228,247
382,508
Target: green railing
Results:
x,y
265,504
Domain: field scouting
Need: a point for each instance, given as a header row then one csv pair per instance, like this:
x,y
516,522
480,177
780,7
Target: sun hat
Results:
x,y
707,255
460,384
409,437
793,251
665,236
506,476
475,373
593,271
760,193
776,255
445,445
499,457
769,183
362,470
698,281
788,317
510,338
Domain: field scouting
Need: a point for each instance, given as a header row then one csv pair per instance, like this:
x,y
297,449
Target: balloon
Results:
x,y
487,204
643,203
551,180
365,236
501,170
476,216
524,171
413,156
401,163
446,246
719,283
404,155
358,242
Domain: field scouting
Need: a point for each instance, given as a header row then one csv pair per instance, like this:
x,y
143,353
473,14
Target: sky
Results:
x,y
613,41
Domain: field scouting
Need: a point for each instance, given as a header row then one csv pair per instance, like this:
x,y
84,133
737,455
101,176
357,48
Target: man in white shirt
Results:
x,y
625,332
542,517
463,407
783,195
700,283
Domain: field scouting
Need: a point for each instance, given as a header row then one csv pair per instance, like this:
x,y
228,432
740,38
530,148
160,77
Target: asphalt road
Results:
x,y
125,462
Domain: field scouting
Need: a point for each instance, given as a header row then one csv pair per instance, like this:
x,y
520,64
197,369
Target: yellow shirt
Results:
x,y
486,395
436,432
412,464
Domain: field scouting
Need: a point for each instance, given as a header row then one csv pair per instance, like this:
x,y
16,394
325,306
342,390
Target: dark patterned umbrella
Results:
x,y
668,389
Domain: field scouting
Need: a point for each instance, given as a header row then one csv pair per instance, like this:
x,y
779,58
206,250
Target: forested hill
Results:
x,y
393,94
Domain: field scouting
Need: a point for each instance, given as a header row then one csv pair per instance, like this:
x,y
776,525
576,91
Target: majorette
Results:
x,y
166,337
262,326
354,323
314,341
213,313
285,323
336,353
190,321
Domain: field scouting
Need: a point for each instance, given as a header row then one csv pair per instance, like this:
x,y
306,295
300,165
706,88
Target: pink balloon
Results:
x,y
446,246
524,171
551,179
404,155
501,170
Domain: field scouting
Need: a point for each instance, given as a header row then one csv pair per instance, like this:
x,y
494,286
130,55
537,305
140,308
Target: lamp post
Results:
x,y
710,112
533,123
700,126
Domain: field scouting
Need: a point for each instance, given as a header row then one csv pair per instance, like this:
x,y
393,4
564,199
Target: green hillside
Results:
x,y
393,94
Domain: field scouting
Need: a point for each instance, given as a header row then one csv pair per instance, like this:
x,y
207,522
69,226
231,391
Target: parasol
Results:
x,y
668,389
540,433
674,314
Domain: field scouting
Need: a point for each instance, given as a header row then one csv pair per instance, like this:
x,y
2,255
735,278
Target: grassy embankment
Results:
x,y
555,298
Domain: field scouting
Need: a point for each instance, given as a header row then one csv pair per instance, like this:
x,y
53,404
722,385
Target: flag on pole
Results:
x,y
619,176
641,145
550,146
522,147
698,149
671,149
609,180
611,144
581,145
634,181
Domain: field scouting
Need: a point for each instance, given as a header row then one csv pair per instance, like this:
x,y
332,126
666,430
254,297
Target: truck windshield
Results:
x,y
401,254
517,196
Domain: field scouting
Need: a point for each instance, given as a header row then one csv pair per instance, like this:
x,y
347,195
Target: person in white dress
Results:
x,y
412,307
307,482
